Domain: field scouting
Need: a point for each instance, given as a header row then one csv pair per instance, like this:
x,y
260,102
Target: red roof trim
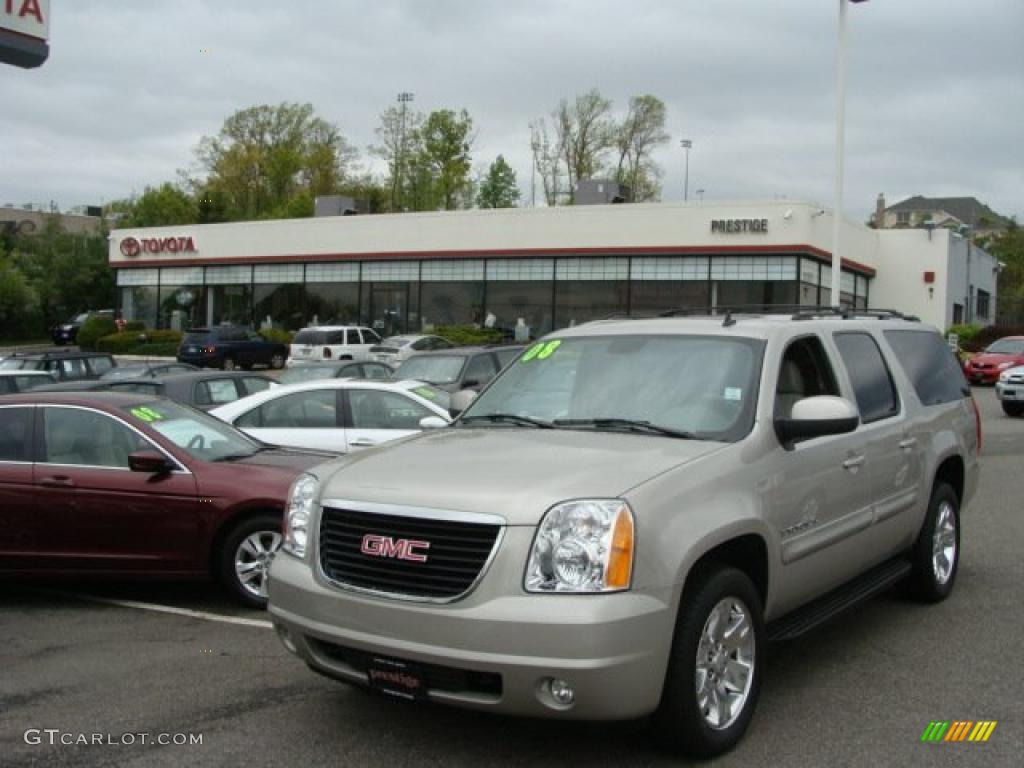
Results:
x,y
802,249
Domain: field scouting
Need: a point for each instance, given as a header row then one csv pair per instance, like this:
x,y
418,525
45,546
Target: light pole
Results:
x,y
403,98
686,144
700,194
837,213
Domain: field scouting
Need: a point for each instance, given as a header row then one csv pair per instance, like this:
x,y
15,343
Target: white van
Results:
x,y
332,342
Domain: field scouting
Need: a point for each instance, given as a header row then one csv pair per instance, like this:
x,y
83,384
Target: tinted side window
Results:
x,y
805,372
373,409
87,438
370,336
872,382
303,410
216,391
376,371
480,369
929,364
72,369
352,336
254,384
15,430
100,365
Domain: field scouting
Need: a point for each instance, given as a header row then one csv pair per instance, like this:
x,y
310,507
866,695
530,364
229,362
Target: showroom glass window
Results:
x,y
182,298
452,292
332,294
230,290
589,289
661,283
139,299
389,298
754,281
278,296
520,288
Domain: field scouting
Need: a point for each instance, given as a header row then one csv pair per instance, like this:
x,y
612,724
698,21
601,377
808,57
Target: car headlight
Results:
x,y
583,546
301,502
1004,366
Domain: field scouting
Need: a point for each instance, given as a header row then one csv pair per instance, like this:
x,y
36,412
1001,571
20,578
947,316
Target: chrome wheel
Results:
x,y
252,561
725,663
944,543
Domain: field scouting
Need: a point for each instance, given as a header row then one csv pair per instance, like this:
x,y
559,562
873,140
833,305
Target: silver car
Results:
x,y
1010,391
625,516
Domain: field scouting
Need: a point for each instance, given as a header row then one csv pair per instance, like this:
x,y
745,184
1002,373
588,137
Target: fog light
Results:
x,y
561,692
286,638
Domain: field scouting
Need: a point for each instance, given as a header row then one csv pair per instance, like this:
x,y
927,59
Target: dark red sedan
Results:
x,y
102,484
985,367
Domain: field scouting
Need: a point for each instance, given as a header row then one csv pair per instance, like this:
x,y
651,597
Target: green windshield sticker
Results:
x,y
147,414
426,392
541,351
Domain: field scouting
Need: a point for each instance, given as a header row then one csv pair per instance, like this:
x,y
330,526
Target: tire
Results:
x,y
1013,409
935,558
277,361
687,720
249,548
228,363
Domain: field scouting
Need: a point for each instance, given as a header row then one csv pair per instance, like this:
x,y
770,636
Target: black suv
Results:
x,y
456,369
67,332
65,366
230,347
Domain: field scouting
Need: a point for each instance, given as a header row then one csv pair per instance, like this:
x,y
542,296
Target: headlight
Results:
x,y
583,546
1004,366
301,501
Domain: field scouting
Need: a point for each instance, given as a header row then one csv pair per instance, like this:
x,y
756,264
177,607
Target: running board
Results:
x,y
803,620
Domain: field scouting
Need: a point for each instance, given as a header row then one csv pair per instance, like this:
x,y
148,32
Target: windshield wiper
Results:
x,y
511,418
631,425
236,456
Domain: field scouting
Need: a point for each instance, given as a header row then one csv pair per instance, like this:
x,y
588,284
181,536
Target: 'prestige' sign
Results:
x,y
735,226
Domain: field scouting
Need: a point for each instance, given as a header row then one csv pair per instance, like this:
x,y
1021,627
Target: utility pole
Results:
x,y
686,144
403,98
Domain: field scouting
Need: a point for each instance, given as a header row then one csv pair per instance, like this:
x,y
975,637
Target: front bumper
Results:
x,y
612,649
982,376
1011,392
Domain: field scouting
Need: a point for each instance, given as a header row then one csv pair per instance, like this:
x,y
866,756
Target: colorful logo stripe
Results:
x,y
958,730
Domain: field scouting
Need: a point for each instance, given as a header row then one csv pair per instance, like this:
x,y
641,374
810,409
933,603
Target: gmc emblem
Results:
x,y
375,545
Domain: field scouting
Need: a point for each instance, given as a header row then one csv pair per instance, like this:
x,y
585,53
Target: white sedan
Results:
x,y
338,415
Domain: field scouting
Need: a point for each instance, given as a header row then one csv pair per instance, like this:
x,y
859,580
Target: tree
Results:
x,y
585,132
398,136
161,206
446,142
1008,248
636,137
546,160
18,302
265,157
499,188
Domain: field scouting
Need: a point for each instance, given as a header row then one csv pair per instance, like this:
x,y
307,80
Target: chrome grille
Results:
x,y
451,564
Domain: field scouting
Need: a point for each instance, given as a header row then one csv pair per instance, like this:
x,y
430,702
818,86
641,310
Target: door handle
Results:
x,y
853,463
57,482
363,442
908,443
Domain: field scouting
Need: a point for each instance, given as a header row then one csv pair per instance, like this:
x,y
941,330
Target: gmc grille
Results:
x,y
457,553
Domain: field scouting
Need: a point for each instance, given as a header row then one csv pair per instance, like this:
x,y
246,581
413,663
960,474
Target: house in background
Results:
x,y
947,212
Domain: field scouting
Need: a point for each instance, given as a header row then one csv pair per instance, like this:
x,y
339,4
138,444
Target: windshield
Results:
x,y
1007,347
433,369
11,364
696,386
125,372
302,373
395,341
200,436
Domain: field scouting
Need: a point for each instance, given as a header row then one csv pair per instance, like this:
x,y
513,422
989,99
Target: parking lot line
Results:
x,y
157,608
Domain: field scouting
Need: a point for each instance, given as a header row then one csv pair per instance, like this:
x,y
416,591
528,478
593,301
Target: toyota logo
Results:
x,y
130,247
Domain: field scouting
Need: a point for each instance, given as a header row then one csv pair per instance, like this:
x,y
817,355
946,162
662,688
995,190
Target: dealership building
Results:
x,y
545,268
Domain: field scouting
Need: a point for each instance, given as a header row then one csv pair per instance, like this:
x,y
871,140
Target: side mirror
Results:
x,y
816,417
150,462
432,422
461,401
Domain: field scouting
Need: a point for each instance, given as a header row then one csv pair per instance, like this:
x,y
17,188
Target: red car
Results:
x,y
985,367
105,484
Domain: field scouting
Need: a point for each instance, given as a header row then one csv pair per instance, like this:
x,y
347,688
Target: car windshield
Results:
x,y
681,386
395,341
11,364
302,373
202,437
1007,347
125,372
434,369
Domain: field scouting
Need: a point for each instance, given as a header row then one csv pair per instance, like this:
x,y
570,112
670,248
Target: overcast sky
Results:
x,y
935,89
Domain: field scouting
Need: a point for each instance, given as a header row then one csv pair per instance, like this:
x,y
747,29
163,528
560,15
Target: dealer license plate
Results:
x,y
397,678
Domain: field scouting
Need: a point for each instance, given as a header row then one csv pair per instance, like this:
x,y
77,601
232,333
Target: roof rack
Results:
x,y
795,311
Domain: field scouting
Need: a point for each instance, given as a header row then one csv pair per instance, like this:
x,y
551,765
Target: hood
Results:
x,y
515,473
285,458
995,358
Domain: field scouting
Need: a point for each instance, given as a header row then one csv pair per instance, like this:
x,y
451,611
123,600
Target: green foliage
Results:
x,y
468,334
94,329
134,325
19,306
161,206
155,343
278,335
499,188
965,332
1008,248
991,333
447,141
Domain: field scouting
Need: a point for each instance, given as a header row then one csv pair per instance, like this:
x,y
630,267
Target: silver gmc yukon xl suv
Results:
x,y
631,510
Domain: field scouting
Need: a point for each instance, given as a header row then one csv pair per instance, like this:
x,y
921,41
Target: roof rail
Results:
x,y
795,311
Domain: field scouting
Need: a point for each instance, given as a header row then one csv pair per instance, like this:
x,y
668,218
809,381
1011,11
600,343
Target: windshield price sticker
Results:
x,y
147,414
426,392
541,351
733,393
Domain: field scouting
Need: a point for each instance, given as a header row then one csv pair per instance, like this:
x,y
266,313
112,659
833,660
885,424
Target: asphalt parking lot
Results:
x,y
91,659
